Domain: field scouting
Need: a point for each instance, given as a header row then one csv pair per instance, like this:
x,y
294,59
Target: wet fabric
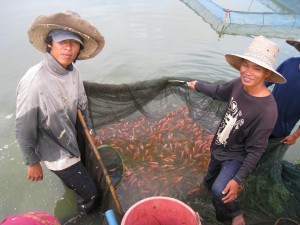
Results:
x,y
76,178
162,131
219,173
47,100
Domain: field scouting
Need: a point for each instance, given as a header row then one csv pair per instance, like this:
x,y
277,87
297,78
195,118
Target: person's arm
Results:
x,y
26,134
221,92
26,126
292,138
256,142
26,122
254,154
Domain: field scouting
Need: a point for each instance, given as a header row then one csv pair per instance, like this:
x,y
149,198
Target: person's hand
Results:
x,y
289,140
192,84
35,172
230,191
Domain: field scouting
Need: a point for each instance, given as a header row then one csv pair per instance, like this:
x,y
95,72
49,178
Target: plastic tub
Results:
x,y
160,211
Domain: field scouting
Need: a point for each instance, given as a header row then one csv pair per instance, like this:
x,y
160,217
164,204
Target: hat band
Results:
x,y
259,57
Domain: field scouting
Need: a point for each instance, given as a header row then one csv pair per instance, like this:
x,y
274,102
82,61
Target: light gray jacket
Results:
x,y
47,100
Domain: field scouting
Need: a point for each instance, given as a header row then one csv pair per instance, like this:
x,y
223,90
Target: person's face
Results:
x,y
252,74
65,51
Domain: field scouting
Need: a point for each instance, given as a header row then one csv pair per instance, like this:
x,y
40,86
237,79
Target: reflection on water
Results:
x,y
144,40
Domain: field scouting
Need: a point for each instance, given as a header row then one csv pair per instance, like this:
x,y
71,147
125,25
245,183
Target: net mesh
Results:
x,y
280,18
162,132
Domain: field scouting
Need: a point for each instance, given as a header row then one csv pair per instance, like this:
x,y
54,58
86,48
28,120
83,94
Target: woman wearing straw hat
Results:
x,y
287,99
48,96
243,133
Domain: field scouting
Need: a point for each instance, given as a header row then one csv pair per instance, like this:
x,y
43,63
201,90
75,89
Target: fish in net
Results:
x,y
160,132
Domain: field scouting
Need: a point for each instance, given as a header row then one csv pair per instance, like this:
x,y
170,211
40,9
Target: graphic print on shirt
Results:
x,y
230,123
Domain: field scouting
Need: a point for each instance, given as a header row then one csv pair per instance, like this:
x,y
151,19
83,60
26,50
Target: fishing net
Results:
x,y
281,18
159,132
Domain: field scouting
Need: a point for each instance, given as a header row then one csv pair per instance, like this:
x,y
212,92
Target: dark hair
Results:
x,y
49,40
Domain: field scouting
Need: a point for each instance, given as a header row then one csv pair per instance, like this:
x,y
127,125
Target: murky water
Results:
x,y
144,40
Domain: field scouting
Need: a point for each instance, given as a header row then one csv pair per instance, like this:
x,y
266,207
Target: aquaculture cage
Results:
x,y
260,17
157,134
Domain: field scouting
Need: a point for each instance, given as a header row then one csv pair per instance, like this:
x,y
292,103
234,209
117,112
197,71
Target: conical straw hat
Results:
x,y
93,41
262,52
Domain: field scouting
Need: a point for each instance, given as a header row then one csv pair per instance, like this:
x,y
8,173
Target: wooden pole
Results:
x,y
108,181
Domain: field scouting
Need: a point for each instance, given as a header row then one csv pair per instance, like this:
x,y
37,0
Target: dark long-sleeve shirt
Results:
x,y
246,126
47,100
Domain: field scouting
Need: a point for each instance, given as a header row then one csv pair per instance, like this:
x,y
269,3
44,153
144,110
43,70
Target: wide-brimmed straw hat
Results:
x,y
262,52
93,41
295,43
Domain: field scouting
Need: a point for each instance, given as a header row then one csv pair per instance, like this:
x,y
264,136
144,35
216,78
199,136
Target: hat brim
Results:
x,y
93,41
236,60
294,43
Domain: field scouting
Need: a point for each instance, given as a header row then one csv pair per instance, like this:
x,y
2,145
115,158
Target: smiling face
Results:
x,y
253,75
65,51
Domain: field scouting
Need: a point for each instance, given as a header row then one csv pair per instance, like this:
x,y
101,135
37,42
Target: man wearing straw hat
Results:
x,y
243,133
48,96
287,99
